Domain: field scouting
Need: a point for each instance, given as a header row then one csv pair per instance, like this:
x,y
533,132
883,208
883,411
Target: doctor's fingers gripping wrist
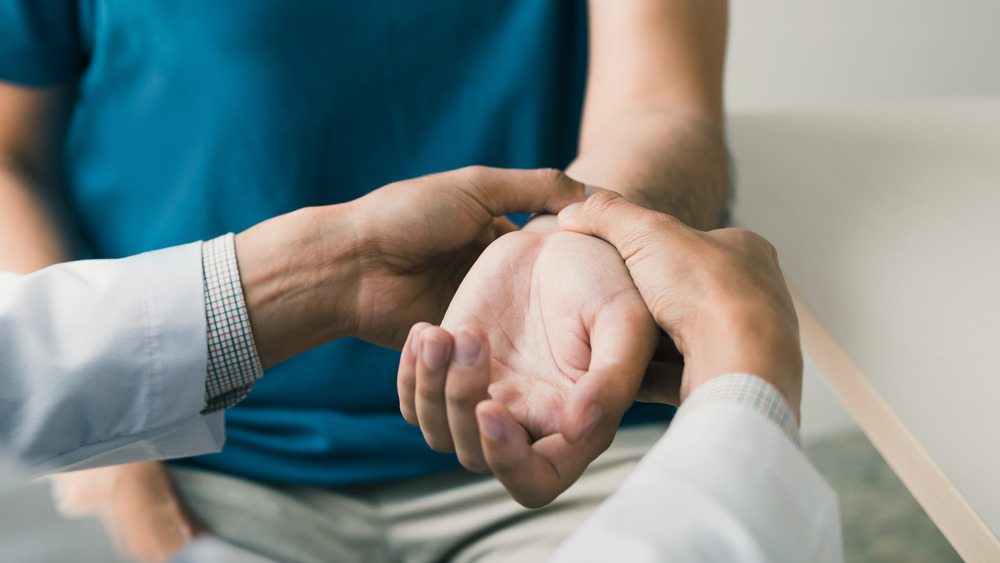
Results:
x,y
704,289
658,250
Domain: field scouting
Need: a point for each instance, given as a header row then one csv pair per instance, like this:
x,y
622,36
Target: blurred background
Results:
x,y
813,54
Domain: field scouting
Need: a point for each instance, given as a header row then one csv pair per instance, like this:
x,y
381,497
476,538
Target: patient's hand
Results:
x,y
138,505
550,327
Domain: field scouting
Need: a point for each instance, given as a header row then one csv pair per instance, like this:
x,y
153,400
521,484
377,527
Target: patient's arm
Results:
x,y
564,324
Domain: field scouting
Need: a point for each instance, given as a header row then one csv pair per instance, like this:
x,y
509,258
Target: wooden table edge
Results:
x,y
947,508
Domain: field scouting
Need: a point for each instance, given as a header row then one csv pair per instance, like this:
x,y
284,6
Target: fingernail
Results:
x,y
589,190
590,419
415,340
491,427
467,347
568,210
434,354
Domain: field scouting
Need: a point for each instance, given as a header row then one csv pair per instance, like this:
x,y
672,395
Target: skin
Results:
x,y
569,325
719,295
652,129
368,268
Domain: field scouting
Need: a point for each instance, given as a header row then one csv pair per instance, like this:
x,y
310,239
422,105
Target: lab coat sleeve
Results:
x,y
104,361
723,484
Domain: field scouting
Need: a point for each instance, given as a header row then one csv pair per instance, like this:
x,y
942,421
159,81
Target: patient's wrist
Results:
x,y
541,222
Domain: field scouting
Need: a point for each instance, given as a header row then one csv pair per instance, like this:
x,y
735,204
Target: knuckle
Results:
x,y
474,171
430,391
462,396
661,221
602,202
553,177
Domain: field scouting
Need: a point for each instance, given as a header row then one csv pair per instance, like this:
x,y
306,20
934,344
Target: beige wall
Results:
x,y
817,53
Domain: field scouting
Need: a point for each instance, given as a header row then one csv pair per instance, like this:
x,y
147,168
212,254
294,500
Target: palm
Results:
x,y
549,302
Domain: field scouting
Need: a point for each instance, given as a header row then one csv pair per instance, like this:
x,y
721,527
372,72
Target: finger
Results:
x,y
534,474
627,226
501,191
467,384
622,342
434,350
406,377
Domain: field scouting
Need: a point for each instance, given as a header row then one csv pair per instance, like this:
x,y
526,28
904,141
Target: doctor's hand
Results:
x,y
372,267
551,340
720,295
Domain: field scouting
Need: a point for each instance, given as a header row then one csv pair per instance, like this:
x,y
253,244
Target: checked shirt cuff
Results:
x,y
233,364
750,391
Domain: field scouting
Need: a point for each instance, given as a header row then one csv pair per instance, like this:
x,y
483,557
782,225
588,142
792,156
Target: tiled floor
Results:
x,y
881,520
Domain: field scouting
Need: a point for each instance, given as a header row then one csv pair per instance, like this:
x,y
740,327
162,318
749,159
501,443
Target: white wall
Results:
x,y
814,53
799,54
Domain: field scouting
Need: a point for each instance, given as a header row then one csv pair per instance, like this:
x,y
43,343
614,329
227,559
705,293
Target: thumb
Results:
x,y
627,226
502,191
622,342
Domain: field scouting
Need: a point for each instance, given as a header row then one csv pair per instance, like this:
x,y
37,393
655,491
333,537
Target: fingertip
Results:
x,y
490,415
435,347
471,345
412,345
491,427
567,211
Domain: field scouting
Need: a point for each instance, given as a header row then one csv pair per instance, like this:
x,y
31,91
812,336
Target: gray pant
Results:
x,y
458,516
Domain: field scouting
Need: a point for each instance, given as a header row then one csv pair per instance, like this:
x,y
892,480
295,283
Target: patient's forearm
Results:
x,y
668,160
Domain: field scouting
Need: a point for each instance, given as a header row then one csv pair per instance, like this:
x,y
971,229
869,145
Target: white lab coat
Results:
x,y
723,484
104,362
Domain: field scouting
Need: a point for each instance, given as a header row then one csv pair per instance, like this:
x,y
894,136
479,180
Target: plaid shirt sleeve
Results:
x,y
233,364
748,390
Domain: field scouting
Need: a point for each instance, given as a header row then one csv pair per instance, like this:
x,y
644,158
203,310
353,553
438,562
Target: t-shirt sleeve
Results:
x,y
40,42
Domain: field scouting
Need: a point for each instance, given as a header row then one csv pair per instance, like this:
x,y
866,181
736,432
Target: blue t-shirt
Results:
x,y
192,119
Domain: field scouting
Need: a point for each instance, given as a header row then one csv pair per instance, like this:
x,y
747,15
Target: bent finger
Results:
x,y
467,384
406,377
534,474
433,353
622,342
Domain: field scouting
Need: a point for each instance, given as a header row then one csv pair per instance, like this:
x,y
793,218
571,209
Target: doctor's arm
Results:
x,y
105,361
